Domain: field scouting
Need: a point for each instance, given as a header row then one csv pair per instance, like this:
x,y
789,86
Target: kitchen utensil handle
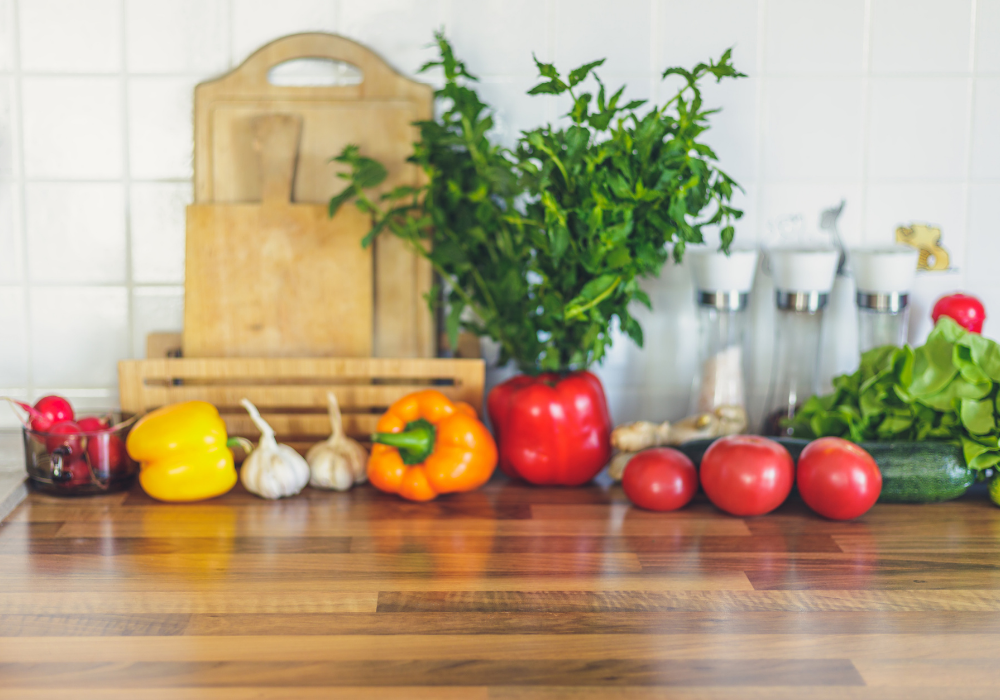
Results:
x,y
276,140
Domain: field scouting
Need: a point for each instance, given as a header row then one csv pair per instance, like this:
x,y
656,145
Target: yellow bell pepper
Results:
x,y
184,452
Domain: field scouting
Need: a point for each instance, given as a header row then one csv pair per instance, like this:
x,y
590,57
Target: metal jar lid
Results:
x,y
809,302
732,300
884,302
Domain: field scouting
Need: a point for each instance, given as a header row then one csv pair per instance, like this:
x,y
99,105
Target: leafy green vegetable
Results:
x,y
948,389
541,247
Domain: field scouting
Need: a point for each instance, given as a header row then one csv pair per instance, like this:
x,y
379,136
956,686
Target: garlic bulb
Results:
x,y
272,470
338,462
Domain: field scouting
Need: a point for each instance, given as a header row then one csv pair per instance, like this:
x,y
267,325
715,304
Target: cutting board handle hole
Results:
x,y
315,72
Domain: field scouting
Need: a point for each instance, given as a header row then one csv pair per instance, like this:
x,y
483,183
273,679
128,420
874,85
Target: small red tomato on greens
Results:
x,y
746,475
838,479
660,479
964,309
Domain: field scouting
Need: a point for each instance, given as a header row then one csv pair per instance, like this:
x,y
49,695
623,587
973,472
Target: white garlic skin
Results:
x,y
338,462
274,472
337,467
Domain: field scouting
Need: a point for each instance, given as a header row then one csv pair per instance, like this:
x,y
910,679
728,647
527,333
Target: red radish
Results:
x,y
64,434
105,453
92,424
48,411
76,472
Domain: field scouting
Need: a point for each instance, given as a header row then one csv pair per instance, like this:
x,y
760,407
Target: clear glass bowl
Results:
x,y
80,464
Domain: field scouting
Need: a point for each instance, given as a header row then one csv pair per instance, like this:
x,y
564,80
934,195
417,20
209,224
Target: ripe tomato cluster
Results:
x,y
746,475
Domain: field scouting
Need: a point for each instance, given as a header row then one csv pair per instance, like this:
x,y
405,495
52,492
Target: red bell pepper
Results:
x,y
552,429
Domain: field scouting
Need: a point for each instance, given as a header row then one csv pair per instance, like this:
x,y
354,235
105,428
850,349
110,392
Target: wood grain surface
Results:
x,y
511,592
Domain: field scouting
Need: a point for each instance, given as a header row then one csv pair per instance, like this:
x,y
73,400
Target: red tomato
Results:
x,y
838,479
660,479
747,474
967,311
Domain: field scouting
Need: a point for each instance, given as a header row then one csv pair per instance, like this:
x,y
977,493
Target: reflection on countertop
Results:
x,y
12,475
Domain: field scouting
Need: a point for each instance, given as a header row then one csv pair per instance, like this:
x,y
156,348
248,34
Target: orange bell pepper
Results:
x,y
426,445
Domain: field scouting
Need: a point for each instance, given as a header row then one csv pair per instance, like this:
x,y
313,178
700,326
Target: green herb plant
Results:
x,y
946,389
541,246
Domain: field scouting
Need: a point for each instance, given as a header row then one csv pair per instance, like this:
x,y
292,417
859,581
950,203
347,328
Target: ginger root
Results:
x,y
635,437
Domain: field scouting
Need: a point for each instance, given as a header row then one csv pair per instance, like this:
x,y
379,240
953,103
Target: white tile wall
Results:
x,y
921,36
890,104
76,232
161,128
157,227
72,128
69,36
182,36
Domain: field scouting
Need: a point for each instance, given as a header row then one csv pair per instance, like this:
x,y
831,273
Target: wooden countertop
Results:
x,y
511,592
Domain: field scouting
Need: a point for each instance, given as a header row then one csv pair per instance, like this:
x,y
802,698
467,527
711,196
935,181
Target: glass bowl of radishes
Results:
x,y
70,455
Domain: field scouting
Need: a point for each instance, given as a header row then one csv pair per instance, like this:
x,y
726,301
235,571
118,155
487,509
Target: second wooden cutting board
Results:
x,y
277,279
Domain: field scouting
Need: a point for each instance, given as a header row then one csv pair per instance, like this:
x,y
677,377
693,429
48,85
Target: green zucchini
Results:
x,y
924,472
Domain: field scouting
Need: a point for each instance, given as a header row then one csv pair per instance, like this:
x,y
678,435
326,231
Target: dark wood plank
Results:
x,y
617,622
610,672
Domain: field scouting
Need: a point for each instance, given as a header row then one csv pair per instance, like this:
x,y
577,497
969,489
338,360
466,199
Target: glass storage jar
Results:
x,y
803,279
883,277
722,289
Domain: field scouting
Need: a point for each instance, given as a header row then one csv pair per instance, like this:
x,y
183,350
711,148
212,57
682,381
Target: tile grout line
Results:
x,y
759,117
970,138
866,107
23,197
127,183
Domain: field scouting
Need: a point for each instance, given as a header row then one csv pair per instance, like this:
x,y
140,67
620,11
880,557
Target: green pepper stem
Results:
x,y
415,444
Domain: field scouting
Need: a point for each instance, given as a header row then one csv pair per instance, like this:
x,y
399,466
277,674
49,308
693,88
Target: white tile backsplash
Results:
x,y
155,310
868,100
919,128
70,36
921,36
177,36
157,228
72,128
582,34
78,334
76,232
814,37
688,33
399,31
13,347
7,35
986,129
806,200
161,128
256,22
11,249
8,109
813,128
984,236
987,32
494,39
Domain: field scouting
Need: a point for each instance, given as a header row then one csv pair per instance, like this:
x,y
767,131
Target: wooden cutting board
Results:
x,y
376,114
276,279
